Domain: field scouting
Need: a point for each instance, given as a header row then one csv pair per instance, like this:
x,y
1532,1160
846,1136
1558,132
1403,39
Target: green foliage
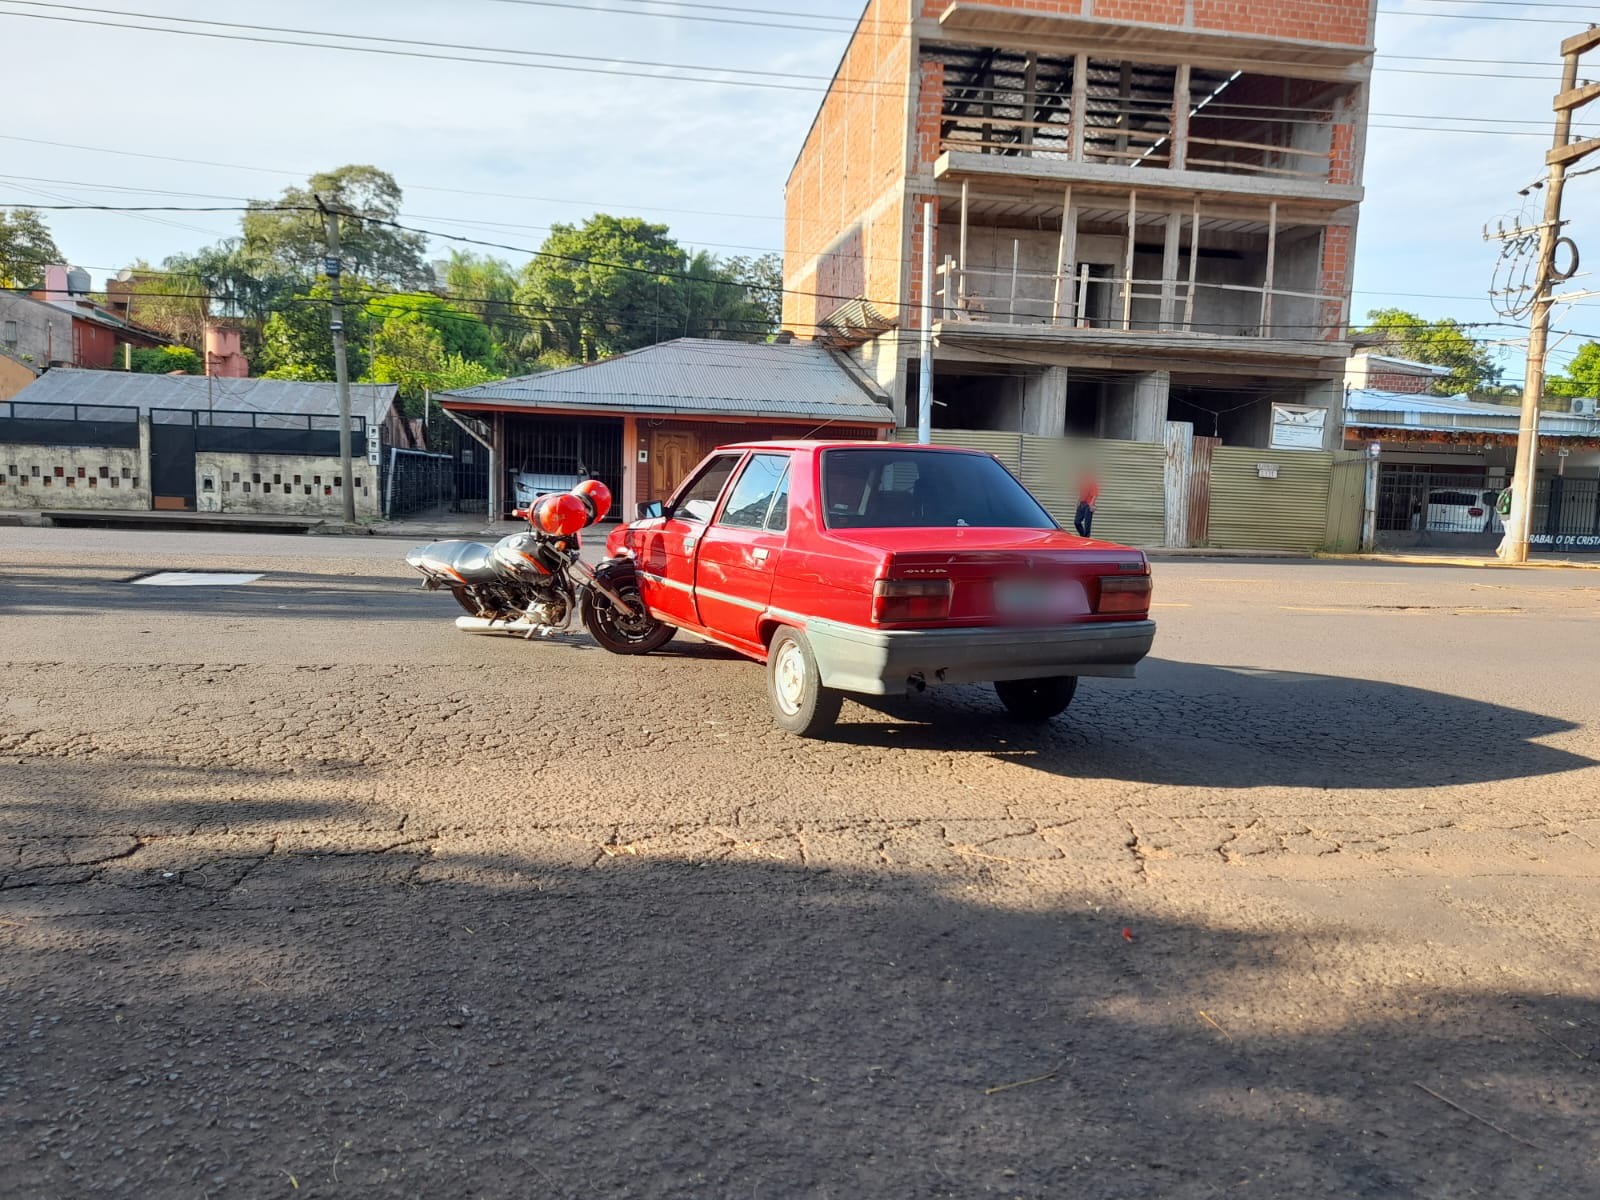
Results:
x,y
294,242
1583,374
26,248
299,374
296,337
461,332
411,354
1442,343
618,283
165,360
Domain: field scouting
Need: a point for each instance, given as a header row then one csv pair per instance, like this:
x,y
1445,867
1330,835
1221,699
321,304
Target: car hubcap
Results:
x,y
789,678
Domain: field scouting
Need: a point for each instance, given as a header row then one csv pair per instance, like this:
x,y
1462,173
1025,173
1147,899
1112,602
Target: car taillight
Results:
x,y
1474,512
1124,594
897,600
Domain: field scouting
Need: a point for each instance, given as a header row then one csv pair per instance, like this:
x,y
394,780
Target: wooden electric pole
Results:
x,y
1562,155
341,365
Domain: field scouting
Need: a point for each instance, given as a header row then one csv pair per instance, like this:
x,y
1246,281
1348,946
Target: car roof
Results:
x,y
795,444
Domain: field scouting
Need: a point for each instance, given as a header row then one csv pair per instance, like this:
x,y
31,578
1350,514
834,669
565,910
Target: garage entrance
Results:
x,y
554,449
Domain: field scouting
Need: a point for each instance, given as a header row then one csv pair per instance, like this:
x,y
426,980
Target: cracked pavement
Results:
x,y
304,892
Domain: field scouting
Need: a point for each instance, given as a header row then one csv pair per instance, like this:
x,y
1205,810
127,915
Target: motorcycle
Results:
x,y
534,583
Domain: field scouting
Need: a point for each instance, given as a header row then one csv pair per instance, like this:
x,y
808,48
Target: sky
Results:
x,y
501,152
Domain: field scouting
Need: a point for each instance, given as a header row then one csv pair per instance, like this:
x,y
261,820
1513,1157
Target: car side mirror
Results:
x,y
646,510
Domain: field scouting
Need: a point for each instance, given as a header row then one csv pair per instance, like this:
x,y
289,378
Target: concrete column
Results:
x,y
629,500
1136,408
1044,403
1150,395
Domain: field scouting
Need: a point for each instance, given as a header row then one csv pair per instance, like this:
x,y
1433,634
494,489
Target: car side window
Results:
x,y
699,499
751,498
778,514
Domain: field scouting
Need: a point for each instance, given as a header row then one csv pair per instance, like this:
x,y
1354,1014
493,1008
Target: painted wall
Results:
x,y
102,477
14,376
286,484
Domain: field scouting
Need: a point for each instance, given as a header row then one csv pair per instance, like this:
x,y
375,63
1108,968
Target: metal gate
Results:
x,y
172,457
566,447
1440,508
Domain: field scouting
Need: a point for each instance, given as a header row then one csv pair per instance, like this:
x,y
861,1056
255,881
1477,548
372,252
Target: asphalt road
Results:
x,y
305,893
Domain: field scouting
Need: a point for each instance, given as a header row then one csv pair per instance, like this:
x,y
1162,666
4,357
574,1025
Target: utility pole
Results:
x,y
925,362
341,367
1562,155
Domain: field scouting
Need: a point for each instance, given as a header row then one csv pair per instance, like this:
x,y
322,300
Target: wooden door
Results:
x,y
673,454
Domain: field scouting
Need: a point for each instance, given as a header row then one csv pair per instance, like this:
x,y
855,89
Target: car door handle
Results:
x,y
759,554
688,543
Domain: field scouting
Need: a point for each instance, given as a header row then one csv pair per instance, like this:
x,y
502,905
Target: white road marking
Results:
x,y
196,579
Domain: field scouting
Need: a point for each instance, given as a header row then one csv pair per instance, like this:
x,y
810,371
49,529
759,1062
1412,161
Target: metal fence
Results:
x,y
418,481
1420,507
1566,515
239,432
28,424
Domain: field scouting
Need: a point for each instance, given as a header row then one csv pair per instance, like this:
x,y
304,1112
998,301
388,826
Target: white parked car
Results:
x,y
527,486
1462,510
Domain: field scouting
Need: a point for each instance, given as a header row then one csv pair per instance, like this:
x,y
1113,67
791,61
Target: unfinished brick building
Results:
x,y
1144,210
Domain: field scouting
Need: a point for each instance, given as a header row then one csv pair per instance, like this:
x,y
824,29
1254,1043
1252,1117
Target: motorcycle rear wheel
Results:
x,y
618,633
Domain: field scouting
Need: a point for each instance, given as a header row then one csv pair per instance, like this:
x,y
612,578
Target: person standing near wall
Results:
x,y
1088,497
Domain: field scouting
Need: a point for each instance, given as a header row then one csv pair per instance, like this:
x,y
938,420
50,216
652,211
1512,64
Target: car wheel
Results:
x,y
1037,699
800,704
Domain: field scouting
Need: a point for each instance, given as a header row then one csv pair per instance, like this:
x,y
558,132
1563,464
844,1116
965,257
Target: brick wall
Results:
x,y
1337,243
1340,22
842,194
1399,381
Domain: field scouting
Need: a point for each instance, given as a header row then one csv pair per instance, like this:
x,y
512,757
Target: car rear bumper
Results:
x,y
884,662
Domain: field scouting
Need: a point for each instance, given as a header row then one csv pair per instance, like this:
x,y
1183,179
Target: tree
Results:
x,y
296,342
602,288
1441,343
709,303
411,354
288,235
1582,377
762,278
487,287
461,332
165,360
26,249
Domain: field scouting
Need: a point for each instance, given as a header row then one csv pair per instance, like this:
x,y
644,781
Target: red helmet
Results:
x,y
560,514
597,496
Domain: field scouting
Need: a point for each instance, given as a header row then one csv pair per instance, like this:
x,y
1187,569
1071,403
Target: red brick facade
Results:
x,y
1333,22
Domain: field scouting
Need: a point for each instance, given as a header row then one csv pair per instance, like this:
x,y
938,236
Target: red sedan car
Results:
x,y
879,568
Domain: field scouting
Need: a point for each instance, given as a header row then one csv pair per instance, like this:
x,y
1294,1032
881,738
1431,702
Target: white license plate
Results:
x,y
1028,596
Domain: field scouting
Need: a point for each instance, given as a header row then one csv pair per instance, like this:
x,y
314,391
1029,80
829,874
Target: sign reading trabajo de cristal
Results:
x,y
1572,543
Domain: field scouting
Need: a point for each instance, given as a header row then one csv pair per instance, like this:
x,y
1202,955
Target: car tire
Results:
x,y
800,704
1036,700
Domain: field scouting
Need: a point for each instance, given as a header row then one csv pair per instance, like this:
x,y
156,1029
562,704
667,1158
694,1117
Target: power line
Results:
x,y
872,86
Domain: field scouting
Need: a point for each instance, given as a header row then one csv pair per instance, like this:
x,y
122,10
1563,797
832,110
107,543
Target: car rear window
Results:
x,y
910,489
1454,498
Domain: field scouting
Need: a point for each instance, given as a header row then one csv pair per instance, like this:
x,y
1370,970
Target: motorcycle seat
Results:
x,y
467,562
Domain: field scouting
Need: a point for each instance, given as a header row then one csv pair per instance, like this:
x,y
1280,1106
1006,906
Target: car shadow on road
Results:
x,y
397,1023
1218,726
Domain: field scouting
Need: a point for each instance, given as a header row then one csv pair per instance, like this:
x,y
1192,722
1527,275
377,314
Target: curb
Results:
x,y
1493,564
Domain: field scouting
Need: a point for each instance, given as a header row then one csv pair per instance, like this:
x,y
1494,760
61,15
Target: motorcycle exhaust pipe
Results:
x,y
487,625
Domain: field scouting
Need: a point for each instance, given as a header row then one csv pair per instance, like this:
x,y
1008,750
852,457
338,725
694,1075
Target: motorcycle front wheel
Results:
x,y
615,630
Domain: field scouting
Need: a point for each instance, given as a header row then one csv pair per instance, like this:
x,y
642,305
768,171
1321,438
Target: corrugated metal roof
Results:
x,y
144,392
697,376
1401,410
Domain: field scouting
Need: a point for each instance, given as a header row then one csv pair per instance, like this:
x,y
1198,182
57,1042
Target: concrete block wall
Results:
x,y
90,477
283,484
